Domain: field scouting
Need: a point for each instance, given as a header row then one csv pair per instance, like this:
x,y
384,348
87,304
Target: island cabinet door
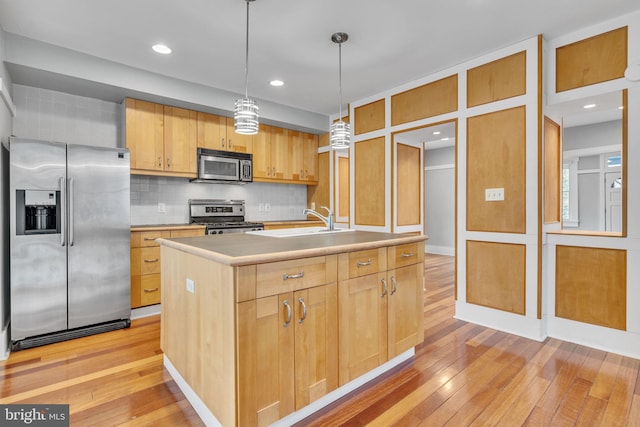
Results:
x,y
316,343
363,325
265,340
406,311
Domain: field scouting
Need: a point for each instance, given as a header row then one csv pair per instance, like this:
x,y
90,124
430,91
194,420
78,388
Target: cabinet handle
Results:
x,y
168,163
229,143
221,142
304,310
406,255
152,260
364,263
286,276
151,290
395,285
286,304
146,239
386,289
274,172
159,162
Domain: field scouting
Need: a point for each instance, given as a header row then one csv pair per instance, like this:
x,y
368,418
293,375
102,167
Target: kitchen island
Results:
x,y
259,330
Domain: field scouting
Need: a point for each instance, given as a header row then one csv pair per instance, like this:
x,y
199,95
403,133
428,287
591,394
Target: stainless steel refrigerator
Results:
x,y
70,241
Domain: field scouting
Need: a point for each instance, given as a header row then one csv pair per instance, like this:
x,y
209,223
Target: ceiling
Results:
x,y
390,42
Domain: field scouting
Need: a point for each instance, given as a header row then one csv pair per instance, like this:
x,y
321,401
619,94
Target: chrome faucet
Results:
x,y
328,220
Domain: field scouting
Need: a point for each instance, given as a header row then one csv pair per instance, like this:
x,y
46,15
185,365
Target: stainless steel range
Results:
x,y
221,216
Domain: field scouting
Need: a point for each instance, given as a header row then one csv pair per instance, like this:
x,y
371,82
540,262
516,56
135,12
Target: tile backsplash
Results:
x,y
286,201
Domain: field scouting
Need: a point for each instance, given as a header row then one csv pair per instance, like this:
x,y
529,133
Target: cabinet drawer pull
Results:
x,y
304,310
150,290
168,163
386,289
395,285
364,263
221,142
147,239
406,255
286,276
289,313
152,260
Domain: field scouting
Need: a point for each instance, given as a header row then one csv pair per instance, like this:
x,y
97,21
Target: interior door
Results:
x,y
99,235
613,201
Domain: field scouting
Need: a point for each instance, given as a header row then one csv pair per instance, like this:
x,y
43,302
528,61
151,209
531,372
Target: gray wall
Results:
x,y
440,200
5,131
590,136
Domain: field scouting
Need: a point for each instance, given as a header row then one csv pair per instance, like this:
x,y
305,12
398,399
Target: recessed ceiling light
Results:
x,y
276,83
437,132
621,107
589,106
444,139
160,48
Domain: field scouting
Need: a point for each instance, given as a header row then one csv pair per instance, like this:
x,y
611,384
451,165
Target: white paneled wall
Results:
x,y
57,116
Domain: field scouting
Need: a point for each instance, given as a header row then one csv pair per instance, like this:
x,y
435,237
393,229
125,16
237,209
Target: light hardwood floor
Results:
x,y
462,375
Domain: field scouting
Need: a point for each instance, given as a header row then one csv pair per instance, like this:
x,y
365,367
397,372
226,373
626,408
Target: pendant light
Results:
x,y
246,111
340,131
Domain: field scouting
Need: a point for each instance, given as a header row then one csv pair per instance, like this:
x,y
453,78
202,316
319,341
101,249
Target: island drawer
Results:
x,y
286,276
402,255
362,263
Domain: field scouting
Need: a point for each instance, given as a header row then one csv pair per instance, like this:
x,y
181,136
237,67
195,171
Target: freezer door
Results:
x,y
99,235
38,261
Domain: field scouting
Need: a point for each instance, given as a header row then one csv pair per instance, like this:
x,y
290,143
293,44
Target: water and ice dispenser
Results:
x,y
37,212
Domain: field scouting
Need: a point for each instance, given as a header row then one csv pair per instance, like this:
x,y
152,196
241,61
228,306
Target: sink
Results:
x,y
301,231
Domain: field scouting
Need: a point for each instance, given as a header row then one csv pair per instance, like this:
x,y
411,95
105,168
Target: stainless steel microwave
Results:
x,y
224,167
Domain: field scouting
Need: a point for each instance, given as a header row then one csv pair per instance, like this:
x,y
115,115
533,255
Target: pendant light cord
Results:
x,y
340,77
246,58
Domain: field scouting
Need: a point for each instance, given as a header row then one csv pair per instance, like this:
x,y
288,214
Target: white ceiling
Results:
x,y
390,42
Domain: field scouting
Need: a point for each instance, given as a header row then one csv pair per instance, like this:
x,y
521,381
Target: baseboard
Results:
x,y
209,419
528,327
150,310
439,250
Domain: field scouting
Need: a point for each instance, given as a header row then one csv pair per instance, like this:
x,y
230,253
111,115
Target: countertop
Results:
x,y
160,227
244,249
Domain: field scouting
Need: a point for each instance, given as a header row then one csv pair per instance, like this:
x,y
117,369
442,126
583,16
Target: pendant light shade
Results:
x,y
246,109
340,131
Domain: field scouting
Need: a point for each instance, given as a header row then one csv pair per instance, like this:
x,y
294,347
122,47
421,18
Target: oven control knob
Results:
x,y
220,232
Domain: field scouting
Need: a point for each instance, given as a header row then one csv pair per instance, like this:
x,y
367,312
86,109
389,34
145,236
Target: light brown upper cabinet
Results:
x,y
218,133
593,158
431,99
369,117
162,140
594,60
180,141
497,80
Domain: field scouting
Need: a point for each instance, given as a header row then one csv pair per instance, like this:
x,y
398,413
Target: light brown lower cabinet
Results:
x,y
258,342
290,352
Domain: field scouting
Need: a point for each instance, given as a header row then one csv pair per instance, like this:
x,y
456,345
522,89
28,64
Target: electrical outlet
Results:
x,y
494,194
191,286
162,208
260,207
267,207
313,206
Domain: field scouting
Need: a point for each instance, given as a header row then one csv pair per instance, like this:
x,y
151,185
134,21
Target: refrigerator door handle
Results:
x,y
63,207
71,211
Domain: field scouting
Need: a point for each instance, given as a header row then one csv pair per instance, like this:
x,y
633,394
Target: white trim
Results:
x,y
4,340
209,419
150,310
524,326
6,97
439,167
570,154
440,250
